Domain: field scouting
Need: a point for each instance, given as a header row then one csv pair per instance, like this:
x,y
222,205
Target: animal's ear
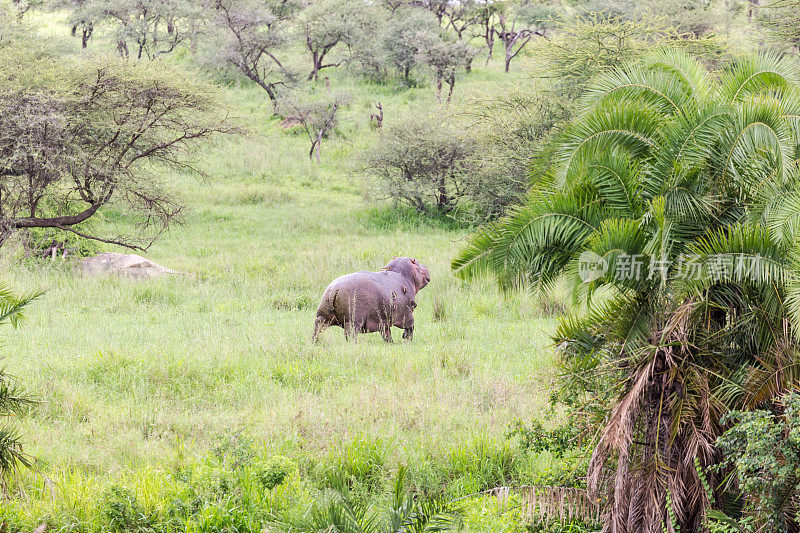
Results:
x,y
414,261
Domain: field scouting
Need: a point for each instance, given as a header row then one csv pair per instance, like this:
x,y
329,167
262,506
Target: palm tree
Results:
x,y
682,187
12,400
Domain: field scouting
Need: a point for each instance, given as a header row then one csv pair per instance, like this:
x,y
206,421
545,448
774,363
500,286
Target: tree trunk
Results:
x,y
316,146
5,233
269,89
87,33
490,46
752,8
442,199
317,61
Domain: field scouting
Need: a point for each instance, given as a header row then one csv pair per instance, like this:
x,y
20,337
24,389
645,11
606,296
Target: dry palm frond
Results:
x,y
552,503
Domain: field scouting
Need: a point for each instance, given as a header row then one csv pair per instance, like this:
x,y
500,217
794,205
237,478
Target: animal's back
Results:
x,y
364,289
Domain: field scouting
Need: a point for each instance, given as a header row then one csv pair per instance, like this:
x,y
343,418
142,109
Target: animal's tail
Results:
x,y
333,299
328,303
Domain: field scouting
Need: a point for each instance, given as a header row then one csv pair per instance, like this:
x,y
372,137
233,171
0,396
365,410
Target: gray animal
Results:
x,y
365,302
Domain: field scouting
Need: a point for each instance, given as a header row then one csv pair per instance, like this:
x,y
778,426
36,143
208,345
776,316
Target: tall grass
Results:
x,y
138,379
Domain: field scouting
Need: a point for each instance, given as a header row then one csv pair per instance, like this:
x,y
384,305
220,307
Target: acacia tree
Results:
x,y
330,23
317,116
91,134
438,7
445,59
512,130
424,163
406,34
582,47
82,18
486,13
393,5
673,207
144,28
250,35
462,15
688,18
781,19
154,27
516,25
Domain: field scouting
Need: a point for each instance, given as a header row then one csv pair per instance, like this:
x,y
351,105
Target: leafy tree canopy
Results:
x,y
77,136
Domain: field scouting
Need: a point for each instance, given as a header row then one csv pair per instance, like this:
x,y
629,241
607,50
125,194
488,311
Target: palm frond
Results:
x,y
617,180
12,306
691,72
741,254
479,257
535,242
612,125
757,73
665,94
688,144
758,147
778,209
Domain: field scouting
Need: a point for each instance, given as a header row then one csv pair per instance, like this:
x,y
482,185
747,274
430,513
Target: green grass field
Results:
x,y
136,379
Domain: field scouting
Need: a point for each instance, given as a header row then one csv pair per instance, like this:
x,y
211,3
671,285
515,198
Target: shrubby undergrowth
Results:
x,y
241,486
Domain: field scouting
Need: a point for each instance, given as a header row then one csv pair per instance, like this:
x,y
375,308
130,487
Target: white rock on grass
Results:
x,y
124,264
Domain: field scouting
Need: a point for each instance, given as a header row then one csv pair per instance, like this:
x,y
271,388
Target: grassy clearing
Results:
x,y
142,383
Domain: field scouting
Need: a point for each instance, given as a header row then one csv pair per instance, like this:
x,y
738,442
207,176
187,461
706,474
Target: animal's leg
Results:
x,y
386,331
350,331
407,325
319,326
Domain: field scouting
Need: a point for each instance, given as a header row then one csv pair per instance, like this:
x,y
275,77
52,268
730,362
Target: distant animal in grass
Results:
x,y
365,302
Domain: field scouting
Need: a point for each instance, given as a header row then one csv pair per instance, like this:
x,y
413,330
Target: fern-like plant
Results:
x,y
12,399
682,186
342,512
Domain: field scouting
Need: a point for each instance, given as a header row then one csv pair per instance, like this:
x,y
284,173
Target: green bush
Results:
x,y
762,449
49,242
538,439
425,163
275,473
